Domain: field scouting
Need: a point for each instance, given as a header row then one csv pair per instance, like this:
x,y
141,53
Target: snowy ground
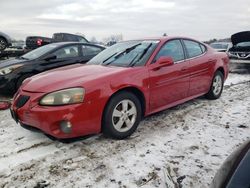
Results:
x,y
191,140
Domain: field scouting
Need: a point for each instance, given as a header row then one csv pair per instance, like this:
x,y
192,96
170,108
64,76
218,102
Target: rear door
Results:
x,y
169,84
201,66
88,52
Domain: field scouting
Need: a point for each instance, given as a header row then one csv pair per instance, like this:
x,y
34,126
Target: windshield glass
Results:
x,y
130,53
243,44
34,54
219,46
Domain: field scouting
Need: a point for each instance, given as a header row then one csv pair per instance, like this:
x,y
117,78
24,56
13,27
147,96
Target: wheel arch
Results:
x,y
221,69
133,90
2,37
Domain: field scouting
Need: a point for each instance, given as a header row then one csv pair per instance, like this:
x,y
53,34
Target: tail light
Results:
x,y
39,42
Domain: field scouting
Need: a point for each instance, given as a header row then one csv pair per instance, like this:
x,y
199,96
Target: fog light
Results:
x,y
66,127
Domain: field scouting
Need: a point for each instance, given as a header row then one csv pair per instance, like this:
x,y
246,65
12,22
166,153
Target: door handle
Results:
x,y
184,68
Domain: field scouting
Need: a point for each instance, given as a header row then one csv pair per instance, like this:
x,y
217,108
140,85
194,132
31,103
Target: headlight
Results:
x,y
9,69
231,54
63,97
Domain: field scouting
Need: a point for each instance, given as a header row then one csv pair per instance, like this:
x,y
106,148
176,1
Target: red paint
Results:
x,y
4,105
162,87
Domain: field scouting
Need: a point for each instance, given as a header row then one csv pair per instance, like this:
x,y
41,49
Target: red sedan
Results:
x,y
120,86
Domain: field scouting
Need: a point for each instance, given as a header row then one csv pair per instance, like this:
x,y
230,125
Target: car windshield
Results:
x,y
34,54
219,46
243,44
126,54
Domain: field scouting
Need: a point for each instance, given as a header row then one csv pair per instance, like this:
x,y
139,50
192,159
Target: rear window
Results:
x,y
193,48
90,50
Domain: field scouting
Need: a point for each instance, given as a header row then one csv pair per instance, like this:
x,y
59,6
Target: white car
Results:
x,y
221,46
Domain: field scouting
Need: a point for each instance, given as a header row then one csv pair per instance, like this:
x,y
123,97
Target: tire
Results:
x,y
122,115
216,87
3,44
21,79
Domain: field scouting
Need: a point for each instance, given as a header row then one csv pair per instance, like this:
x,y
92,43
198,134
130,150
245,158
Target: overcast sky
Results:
x,y
201,19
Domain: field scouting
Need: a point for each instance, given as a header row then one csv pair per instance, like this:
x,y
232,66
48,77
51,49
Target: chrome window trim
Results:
x,y
196,56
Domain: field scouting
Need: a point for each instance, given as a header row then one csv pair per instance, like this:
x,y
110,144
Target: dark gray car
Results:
x,y
5,41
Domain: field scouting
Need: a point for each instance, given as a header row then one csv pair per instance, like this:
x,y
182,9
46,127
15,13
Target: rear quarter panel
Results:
x,y
222,62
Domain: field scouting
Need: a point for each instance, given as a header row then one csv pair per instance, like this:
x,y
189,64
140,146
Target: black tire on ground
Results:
x,y
3,44
125,103
213,92
21,79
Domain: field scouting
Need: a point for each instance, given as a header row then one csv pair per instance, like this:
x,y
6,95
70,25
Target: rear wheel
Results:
x,y
3,44
216,86
122,115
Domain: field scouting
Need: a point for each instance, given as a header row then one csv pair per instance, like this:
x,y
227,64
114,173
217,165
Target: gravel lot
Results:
x,y
190,141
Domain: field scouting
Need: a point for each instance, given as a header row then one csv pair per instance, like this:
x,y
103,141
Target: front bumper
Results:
x,y
240,61
239,66
85,117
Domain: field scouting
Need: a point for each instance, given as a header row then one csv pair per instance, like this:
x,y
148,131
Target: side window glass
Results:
x,y
71,38
193,48
172,49
67,52
90,50
81,39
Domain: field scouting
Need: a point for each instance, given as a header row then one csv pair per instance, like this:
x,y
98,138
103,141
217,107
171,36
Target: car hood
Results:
x,y
10,62
67,77
240,37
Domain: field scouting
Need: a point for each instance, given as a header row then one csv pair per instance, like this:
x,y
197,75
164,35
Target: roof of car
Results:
x,y
163,39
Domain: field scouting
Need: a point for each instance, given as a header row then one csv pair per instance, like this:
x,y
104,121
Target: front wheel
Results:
x,y
216,86
122,115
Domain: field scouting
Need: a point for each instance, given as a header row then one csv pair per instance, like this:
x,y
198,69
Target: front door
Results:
x,y
169,84
64,56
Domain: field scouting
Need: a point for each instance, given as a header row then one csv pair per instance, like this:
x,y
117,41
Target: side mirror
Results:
x,y
50,57
165,61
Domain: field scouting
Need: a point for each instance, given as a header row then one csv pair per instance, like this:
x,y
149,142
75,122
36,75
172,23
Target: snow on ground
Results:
x,y
191,141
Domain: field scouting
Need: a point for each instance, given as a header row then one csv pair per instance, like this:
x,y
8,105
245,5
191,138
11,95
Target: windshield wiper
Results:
x,y
109,57
117,55
133,62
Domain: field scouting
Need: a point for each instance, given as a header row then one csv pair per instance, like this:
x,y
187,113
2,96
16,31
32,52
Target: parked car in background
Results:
x,y
234,173
5,41
16,49
239,54
14,71
119,86
33,42
221,46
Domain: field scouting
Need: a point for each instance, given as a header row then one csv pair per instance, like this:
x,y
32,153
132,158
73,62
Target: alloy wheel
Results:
x,y
124,115
217,84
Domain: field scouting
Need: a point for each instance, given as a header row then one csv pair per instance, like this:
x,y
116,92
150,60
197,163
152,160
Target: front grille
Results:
x,y
21,101
241,55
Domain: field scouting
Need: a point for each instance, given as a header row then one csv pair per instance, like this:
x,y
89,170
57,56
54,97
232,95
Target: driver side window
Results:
x,y
172,49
